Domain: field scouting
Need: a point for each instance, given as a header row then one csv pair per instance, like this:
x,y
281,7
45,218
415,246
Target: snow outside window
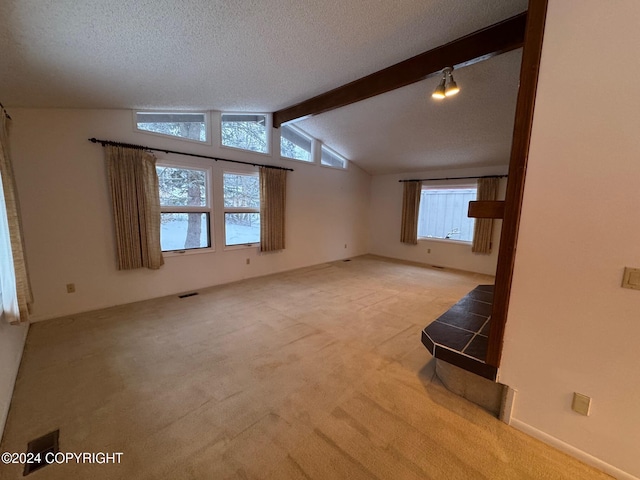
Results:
x,y
185,207
241,208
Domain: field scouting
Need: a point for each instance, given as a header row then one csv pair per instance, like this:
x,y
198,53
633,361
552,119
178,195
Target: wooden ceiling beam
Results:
x,y
499,38
486,209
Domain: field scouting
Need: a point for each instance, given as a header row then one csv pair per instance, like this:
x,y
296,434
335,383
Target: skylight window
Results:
x,y
329,158
245,131
187,126
294,144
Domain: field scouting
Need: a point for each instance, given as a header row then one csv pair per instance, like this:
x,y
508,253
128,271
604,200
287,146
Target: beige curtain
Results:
x,y
410,205
483,232
15,289
273,186
136,207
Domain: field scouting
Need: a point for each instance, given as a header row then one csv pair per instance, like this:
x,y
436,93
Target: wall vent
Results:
x,y
188,295
38,449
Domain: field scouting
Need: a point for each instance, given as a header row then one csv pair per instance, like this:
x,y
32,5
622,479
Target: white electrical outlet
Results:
x,y
581,404
71,287
248,261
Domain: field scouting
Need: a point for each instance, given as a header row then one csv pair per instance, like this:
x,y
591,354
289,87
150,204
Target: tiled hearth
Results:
x,y
460,335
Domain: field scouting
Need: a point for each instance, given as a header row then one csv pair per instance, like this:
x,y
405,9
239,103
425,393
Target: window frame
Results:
x,y
302,133
208,208
207,123
335,154
448,186
226,210
268,123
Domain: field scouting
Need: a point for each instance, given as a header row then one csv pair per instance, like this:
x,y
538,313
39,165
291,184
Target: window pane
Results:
x,y
181,187
248,132
184,125
241,191
331,159
182,231
294,145
443,214
241,228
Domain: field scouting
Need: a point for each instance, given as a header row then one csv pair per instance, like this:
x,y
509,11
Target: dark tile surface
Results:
x,y
478,348
485,288
452,337
449,336
481,296
460,317
474,306
486,328
426,341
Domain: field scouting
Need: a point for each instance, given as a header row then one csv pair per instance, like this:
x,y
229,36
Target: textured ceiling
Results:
x,y
242,55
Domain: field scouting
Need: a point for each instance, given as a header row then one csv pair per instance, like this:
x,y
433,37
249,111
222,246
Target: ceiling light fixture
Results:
x,y
447,86
439,92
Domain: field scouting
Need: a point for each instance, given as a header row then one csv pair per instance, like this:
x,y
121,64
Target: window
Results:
x,y
245,131
241,208
295,144
330,158
189,126
185,208
443,212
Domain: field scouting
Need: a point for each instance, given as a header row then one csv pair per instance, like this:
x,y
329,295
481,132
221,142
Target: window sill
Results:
x,y
444,240
182,253
334,168
242,246
244,150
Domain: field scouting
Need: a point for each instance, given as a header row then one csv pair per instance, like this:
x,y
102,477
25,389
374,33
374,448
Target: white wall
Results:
x,y
386,215
12,340
66,211
571,327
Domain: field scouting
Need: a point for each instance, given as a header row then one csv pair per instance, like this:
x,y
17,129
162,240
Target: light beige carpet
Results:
x,y
317,373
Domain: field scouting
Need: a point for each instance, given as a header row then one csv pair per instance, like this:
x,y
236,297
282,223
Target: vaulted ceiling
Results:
x,y
259,55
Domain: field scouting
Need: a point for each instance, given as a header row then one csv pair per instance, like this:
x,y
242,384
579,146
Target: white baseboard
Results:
x,y
571,450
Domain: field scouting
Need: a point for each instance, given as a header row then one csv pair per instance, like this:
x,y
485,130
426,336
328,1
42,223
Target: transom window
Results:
x,y
188,126
245,131
330,158
241,208
295,144
443,212
185,208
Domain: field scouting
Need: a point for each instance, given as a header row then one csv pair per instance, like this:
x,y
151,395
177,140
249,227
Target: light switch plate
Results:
x,y
631,278
581,404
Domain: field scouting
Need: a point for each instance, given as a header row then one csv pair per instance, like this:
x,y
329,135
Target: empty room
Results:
x,y
319,240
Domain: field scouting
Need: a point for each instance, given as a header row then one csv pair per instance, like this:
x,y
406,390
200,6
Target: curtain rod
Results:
x,y
452,178
6,114
142,147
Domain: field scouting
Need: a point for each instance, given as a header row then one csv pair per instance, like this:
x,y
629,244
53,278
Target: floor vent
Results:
x,y
187,295
37,450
